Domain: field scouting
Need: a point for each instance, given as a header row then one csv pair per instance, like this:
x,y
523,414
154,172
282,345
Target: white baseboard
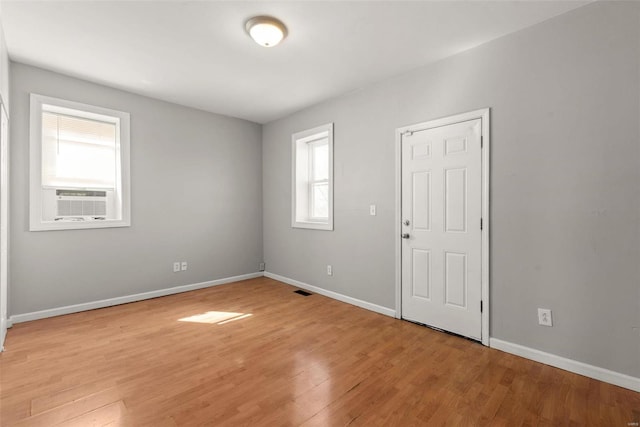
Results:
x,y
3,333
349,300
25,317
601,374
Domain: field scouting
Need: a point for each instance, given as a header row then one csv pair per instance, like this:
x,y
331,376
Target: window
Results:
x,y
312,178
79,166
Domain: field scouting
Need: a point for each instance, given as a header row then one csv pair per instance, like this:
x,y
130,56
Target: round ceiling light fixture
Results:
x,y
266,30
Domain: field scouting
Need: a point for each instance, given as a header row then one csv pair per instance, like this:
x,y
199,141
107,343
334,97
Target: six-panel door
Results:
x,y
442,205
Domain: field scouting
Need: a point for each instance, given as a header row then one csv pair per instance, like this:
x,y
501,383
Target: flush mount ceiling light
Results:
x,y
265,30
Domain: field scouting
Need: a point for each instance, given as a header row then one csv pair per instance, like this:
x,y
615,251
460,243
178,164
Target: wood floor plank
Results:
x,y
254,353
75,409
106,415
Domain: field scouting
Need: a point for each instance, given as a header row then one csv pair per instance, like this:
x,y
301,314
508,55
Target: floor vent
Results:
x,y
303,293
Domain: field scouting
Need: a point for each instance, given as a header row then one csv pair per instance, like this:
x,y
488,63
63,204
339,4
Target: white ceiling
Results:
x,y
198,54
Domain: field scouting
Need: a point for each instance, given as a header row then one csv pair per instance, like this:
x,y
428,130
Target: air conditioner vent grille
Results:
x,y
81,203
82,208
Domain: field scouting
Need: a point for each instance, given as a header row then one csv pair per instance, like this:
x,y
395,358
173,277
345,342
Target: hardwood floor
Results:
x,y
255,353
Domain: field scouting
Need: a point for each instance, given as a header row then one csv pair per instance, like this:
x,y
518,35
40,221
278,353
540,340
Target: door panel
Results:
x,y
455,197
442,202
455,279
421,266
421,205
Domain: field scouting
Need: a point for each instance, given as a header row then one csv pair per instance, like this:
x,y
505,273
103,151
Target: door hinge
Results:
x,y
480,223
480,306
481,141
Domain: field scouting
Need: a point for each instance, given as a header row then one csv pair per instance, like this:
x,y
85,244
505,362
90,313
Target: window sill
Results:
x,y
78,225
313,225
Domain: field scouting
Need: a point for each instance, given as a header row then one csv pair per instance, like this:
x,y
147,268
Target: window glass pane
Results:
x,y
320,200
78,152
320,161
85,165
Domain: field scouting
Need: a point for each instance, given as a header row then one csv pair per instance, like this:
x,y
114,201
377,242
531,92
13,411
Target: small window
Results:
x,y
312,189
79,166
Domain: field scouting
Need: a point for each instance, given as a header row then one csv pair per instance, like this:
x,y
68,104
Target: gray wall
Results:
x,y
565,182
196,196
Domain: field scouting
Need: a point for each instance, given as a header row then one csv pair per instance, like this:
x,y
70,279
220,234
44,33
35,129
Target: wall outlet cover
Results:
x,y
544,317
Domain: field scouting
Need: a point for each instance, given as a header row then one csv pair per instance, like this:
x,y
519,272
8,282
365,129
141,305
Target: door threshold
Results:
x,y
442,330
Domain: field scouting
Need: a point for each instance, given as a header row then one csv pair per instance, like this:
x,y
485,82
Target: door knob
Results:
x,y
405,235
406,222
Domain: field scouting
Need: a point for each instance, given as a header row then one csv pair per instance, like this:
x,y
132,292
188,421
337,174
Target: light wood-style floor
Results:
x,y
254,353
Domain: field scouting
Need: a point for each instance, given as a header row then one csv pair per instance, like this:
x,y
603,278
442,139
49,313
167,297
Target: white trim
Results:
x,y
4,221
600,374
398,225
3,333
25,317
484,116
35,163
303,137
334,295
486,225
69,225
312,225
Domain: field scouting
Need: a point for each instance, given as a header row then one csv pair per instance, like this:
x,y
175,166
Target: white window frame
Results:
x,y
314,182
301,181
122,191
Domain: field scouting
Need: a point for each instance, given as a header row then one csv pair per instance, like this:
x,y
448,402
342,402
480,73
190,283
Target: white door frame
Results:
x,y
483,115
4,223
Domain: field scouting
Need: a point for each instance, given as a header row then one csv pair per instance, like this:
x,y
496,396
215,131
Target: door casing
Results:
x,y
483,115
4,221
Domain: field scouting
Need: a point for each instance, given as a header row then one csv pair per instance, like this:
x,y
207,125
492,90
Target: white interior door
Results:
x,y
441,252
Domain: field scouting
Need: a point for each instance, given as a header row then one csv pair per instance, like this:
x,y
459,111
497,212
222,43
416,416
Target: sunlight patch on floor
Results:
x,y
217,317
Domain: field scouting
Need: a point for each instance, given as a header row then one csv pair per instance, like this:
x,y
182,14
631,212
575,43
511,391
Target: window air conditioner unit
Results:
x,y
80,205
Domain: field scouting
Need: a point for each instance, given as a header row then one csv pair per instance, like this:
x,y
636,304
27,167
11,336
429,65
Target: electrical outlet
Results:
x,y
329,270
372,210
262,266
183,266
176,267
544,317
